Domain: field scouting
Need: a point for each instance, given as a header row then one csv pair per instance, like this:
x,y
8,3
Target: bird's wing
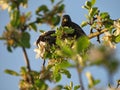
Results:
x,y
77,28
47,37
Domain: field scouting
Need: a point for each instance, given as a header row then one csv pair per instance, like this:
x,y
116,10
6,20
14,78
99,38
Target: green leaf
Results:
x,y
82,44
56,73
64,64
71,84
43,8
52,1
23,70
85,7
93,25
59,3
88,4
41,31
61,8
67,87
15,18
2,38
96,82
76,87
39,20
117,39
40,84
84,23
28,14
9,48
68,30
87,17
93,11
66,72
104,15
11,72
23,3
58,77
67,51
58,87
93,2
33,26
108,23
25,40
56,20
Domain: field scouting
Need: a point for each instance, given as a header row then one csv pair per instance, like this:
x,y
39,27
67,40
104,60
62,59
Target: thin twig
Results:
x,y
28,65
92,35
79,75
118,84
24,50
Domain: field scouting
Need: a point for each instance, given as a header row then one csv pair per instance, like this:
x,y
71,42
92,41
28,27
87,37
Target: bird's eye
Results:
x,y
65,20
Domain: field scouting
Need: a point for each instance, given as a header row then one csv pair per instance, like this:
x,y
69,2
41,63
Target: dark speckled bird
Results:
x,y
67,22
47,37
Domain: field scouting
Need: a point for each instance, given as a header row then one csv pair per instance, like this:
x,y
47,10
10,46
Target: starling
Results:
x,y
44,39
50,39
47,37
67,22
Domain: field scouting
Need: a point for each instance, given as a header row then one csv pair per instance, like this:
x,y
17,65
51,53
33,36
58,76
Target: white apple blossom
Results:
x,y
4,4
95,54
40,50
107,40
117,26
90,78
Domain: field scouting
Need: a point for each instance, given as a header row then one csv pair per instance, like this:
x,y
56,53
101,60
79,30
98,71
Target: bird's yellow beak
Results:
x,y
64,20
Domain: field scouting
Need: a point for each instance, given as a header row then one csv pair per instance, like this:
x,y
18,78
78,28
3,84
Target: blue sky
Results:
x,y
15,60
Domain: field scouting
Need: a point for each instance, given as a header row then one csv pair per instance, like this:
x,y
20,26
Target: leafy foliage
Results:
x,y
11,72
71,87
67,52
51,17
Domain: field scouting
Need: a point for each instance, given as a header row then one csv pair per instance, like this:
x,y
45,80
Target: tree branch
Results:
x,y
28,65
92,35
79,68
30,78
79,71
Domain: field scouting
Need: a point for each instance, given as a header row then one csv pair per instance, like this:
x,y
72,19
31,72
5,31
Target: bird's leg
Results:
x,y
44,63
42,71
98,37
91,30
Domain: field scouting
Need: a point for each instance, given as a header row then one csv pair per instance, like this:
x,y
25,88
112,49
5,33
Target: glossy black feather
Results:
x,y
47,37
78,32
